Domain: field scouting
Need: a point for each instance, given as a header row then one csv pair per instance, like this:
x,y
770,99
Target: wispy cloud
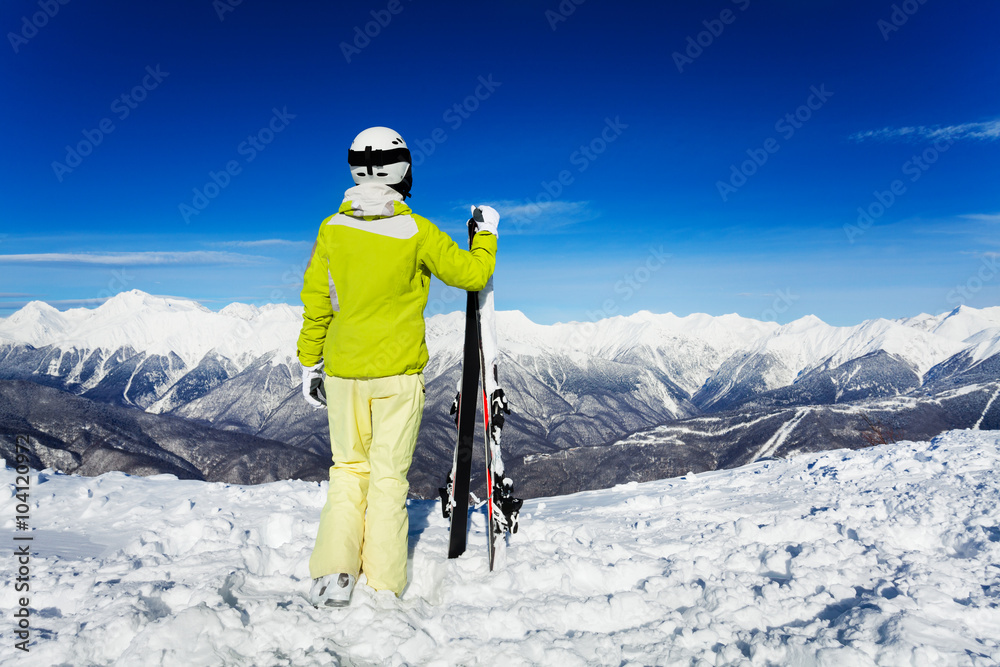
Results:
x,y
519,217
985,131
981,254
971,225
263,243
992,218
134,258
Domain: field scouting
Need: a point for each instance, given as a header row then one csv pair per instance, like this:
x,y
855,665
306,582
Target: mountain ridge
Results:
x,y
243,332
573,386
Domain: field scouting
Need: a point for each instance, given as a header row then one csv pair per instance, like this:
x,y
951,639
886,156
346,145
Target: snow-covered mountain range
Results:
x,y
885,556
595,403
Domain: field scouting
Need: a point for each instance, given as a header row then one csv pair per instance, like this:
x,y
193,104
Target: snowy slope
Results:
x,y
958,324
159,326
808,344
902,354
689,350
984,344
881,556
573,386
164,325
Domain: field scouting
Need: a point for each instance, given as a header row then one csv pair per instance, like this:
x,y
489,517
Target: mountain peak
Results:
x,y
962,309
243,311
32,311
136,300
965,321
804,322
33,323
33,308
514,317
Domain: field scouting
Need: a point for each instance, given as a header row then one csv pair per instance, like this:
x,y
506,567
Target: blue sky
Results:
x,y
682,157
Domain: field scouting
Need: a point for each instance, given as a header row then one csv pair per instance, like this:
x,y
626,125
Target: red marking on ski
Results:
x,y
489,460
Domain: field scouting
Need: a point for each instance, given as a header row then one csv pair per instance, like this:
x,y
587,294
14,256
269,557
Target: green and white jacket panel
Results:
x,y
367,282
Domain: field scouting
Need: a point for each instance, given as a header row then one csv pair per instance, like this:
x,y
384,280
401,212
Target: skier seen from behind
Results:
x,y
363,352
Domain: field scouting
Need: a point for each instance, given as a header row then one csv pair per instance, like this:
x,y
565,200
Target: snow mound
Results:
x,y
881,556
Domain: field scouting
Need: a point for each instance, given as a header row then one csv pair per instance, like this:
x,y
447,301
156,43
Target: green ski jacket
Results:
x,y
367,282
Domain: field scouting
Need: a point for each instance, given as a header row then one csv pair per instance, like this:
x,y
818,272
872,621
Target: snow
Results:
x,y
160,325
779,437
611,336
884,556
689,349
984,344
922,350
809,342
964,322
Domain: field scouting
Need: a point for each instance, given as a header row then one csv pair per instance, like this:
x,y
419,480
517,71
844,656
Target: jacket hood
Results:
x,y
373,200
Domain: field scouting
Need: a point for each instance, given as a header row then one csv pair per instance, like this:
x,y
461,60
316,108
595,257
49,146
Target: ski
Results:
x,y
501,507
479,368
455,494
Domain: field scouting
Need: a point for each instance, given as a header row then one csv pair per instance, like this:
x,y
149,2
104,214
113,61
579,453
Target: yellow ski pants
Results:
x,y
373,431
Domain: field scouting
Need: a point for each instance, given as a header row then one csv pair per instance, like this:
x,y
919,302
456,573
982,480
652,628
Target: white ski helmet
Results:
x,y
379,155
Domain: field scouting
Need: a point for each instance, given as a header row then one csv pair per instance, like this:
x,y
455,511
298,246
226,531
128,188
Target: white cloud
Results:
x,y
985,131
992,218
133,258
526,217
263,243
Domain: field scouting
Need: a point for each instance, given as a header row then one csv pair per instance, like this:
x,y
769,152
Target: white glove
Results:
x,y
491,219
312,385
